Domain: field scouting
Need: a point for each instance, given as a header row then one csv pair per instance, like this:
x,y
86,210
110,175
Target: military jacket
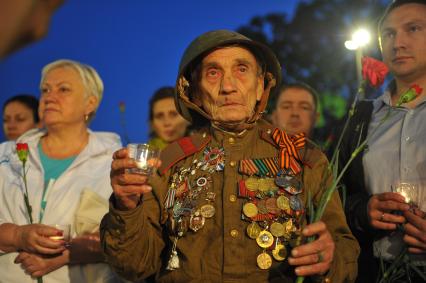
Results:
x,y
138,242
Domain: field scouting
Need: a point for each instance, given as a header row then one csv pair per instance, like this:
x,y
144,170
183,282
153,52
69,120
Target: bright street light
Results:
x,y
360,38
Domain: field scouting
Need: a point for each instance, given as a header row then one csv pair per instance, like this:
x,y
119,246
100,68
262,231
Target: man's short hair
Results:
x,y
395,4
298,85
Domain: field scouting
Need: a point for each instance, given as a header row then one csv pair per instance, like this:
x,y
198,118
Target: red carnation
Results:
x,y
374,71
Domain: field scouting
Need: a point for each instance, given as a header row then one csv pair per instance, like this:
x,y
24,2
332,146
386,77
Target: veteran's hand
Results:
x,y
380,209
37,265
127,188
415,231
35,238
314,258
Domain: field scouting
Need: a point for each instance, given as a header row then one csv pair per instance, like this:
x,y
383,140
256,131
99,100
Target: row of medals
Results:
x,y
192,186
274,209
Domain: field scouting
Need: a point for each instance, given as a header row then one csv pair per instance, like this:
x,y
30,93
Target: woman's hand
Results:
x,y
314,258
34,238
128,188
38,265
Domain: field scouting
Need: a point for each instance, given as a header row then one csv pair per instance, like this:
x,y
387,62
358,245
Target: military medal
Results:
x,y
173,262
277,229
279,252
250,209
265,239
207,210
214,159
261,206
296,203
271,206
264,261
253,230
252,184
196,222
283,202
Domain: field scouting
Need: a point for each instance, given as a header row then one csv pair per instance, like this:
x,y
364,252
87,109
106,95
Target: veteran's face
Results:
x,y
295,112
63,98
403,41
230,85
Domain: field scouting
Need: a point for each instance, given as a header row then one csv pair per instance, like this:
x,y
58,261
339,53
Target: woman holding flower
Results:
x,y
46,179
394,126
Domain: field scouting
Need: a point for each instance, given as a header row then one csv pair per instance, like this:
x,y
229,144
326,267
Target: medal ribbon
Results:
x,y
288,157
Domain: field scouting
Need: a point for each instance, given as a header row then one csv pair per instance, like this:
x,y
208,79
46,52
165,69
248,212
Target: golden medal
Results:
x,y
279,252
264,261
271,206
265,239
283,203
288,226
277,229
268,184
250,209
253,230
207,210
252,184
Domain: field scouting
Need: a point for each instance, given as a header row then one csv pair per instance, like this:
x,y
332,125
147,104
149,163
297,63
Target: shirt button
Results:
x,y
117,231
269,131
234,233
231,140
232,198
232,163
327,280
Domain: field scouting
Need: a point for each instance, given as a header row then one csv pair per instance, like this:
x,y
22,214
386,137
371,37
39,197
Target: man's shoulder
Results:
x,y
181,149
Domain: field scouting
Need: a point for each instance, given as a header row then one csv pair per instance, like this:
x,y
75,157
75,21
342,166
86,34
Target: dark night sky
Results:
x,y
135,45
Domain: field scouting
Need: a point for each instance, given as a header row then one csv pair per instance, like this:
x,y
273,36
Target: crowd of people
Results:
x,y
234,195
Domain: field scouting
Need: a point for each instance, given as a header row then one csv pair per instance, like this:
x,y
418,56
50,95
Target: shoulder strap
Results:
x,y
181,149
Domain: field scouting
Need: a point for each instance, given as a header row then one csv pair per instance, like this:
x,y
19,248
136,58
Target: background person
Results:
x,y
20,114
167,125
296,109
67,163
396,151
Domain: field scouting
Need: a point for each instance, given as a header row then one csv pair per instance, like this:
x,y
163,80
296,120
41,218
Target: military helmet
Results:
x,y
208,42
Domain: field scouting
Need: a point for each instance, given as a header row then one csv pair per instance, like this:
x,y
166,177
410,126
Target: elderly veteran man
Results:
x,y
227,204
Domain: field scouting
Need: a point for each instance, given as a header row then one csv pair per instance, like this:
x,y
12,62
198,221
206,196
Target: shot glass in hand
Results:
x,y
410,191
66,232
145,156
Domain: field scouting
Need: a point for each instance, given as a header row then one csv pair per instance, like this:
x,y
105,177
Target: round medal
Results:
x,y
264,261
261,206
279,252
283,180
296,203
250,209
207,210
277,229
202,181
253,230
263,185
271,206
265,239
252,184
283,202
196,222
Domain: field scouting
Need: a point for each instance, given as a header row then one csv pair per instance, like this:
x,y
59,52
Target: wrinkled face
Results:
x,y
63,99
166,122
17,119
230,85
295,112
403,41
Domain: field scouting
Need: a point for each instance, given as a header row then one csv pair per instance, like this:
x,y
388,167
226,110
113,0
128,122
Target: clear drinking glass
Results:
x,y
412,193
66,232
145,156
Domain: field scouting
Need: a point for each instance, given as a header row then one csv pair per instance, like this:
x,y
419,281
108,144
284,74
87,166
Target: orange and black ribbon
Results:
x,y
288,157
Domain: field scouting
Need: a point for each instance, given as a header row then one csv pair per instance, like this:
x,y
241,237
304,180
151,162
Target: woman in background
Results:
x,y
20,114
167,125
67,173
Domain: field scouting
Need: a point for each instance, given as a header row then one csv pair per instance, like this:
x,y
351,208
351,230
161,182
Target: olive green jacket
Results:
x,y
137,242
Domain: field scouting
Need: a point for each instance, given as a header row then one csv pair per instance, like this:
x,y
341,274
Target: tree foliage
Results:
x,y
310,45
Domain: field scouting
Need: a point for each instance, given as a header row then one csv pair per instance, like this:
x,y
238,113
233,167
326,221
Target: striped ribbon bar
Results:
x,y
288,157
259,166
